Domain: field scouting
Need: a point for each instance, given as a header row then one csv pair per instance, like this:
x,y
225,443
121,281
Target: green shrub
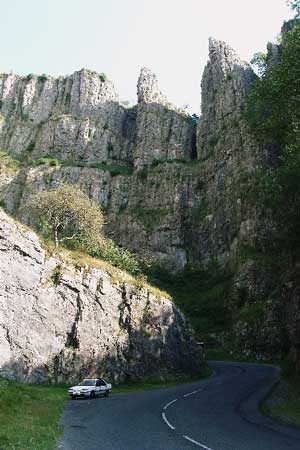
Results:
x,y
9,161
30,147
42,78
45,160
24,116
103,77
113,170
117,256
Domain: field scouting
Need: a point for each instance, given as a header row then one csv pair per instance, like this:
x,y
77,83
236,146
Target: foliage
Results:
x,y
103,77
30,147
260,61
44,160
24,116
29,77
67,213
116,256
273,104
274,114
114,170
42,78
282,404
7,160
200,293
29,415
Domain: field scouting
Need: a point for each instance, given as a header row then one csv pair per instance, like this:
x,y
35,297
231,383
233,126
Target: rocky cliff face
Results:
x,y
78,118
170,202
179,191
64,319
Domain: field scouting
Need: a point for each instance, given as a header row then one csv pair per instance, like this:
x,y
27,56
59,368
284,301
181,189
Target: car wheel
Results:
x,y
92,394
106,393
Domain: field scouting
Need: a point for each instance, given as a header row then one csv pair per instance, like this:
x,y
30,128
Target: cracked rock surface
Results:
x,y
61,321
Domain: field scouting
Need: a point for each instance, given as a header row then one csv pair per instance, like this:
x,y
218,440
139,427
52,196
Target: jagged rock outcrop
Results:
x,y
225,83
79,118
148,90
63,319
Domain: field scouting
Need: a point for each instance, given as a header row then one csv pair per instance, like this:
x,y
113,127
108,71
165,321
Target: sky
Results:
x,y
118,37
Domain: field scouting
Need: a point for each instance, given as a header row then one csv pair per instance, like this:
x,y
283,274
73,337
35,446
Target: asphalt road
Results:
x,y
220,413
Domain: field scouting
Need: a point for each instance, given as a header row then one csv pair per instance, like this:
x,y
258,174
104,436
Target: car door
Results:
x,y
98,387
102,385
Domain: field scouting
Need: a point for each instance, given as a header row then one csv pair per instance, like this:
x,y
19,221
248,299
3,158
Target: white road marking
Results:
x,y
167,422
196,443
190,393
170,403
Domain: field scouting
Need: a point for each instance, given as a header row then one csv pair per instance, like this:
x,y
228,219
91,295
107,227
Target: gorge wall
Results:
x,y
162,181
62,319
173,188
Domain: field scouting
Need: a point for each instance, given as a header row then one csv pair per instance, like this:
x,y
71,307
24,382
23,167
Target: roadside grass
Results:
x,y
283,402
29,415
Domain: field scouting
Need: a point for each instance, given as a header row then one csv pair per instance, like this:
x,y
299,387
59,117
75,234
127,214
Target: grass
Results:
x,y
29,415
283,404
79,259
10,161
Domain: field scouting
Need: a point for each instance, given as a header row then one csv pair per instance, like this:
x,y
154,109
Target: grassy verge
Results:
x,y
29,414
282,404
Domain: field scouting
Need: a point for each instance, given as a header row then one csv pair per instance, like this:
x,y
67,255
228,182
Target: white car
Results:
x,y
90,387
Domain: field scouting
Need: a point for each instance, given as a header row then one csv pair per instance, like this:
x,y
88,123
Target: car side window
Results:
x,y
102,382
98,383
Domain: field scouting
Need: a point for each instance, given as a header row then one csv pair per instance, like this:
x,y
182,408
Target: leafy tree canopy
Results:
x,y
274,114
68,214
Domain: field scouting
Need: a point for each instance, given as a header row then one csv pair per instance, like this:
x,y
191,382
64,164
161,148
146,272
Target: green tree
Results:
x,y
260,61
274,114
67,214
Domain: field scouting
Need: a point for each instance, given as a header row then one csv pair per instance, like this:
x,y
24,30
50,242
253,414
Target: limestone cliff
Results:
x,y
63,318
168,203
172,188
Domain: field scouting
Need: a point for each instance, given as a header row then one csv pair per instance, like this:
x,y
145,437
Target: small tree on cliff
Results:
x,y
68,214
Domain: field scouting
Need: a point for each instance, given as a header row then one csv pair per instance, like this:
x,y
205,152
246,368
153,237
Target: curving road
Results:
x,y
220,413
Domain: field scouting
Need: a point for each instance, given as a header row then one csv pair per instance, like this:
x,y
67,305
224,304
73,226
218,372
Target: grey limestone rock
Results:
x,y
61,320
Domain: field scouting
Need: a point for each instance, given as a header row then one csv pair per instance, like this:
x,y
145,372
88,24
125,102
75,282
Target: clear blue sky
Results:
x,y
118,37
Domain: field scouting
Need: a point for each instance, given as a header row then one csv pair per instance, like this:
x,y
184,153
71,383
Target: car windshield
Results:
x,y
87,383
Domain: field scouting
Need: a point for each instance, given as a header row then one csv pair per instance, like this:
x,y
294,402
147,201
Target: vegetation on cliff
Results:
x,y
274,115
